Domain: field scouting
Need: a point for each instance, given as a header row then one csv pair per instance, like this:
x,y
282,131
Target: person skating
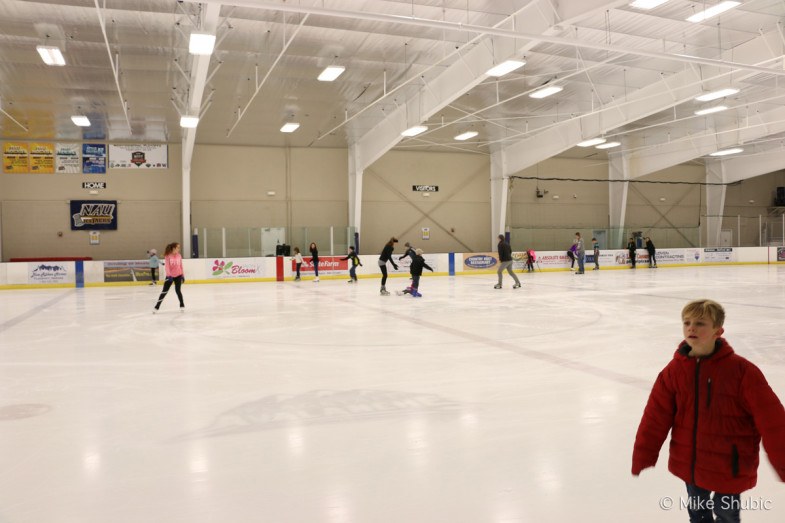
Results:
x,y
173,264
652,253
418,263
505,262
354,261
384,257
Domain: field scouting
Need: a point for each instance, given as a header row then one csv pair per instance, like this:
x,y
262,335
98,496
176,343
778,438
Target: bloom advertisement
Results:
x,y
222,269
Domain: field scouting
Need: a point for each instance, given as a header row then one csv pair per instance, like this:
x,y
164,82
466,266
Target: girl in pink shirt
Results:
x,y
173,263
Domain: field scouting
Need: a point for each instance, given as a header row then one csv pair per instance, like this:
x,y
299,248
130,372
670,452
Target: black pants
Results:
x,y
178,280
154,274
383,268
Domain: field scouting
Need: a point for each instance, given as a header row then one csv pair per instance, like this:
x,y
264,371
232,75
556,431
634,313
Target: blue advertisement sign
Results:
x,y
94,158
93,215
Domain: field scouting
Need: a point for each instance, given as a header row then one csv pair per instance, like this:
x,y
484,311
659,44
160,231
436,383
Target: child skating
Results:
x,y
418,264
298,262
354,261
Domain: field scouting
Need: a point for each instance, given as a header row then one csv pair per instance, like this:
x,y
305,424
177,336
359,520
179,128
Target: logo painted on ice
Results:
x,y
480,262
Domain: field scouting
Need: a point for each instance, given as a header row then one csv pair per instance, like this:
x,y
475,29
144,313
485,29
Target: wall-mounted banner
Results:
x,y
480,261
42,158
16,158
94,158
426,233
67,159
93,185
93,215
138,156
425,188
228,268
50,272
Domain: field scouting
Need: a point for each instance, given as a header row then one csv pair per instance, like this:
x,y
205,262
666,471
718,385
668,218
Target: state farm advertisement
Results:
x,y
327,265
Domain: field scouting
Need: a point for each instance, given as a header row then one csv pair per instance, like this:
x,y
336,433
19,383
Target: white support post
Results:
x,y
715,201
204,242
618,173
223,242
332,242
499,191
355,188
760,231
185,210
738,230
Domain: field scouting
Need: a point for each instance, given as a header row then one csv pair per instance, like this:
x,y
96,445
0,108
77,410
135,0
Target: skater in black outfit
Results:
x,y
631,250
652,253
354,261
384,257
505,262
418,264
315,260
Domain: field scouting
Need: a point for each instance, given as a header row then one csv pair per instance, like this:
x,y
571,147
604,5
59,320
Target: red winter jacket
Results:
x,y
717,408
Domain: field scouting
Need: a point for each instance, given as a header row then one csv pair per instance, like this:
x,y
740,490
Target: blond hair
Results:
x,y
705,309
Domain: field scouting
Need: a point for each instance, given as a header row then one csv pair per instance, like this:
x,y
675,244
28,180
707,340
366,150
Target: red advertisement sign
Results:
x,y
327,265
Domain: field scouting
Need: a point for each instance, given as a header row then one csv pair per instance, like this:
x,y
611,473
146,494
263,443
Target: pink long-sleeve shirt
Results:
x,y
174,265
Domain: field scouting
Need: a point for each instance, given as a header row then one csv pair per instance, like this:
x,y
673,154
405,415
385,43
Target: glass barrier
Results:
x,y
228,242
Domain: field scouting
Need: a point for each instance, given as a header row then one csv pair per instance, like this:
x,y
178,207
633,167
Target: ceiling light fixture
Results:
x,y
608,145
726,152
466,135
546,91
714,95
711,110
647,4
589,143
713,11
330,73
51,55
201,44
290,127
414,131
81,121
189,122
505,68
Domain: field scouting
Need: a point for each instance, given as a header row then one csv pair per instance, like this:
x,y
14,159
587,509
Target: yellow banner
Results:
x,y
42,158
15,158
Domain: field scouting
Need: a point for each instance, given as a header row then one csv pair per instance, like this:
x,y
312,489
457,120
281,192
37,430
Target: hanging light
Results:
x,y
713,11
290,127
201,44
330,73
505,67
591,142
414,131
465,136
714,95
546,91
50,54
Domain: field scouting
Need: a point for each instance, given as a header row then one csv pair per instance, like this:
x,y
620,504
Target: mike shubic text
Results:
x,y
721,502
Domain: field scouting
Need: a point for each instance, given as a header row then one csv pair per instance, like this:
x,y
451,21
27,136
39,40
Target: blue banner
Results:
x,y
93,215
94,158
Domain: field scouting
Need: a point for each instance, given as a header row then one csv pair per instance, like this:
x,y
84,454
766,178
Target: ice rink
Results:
x,y
326,402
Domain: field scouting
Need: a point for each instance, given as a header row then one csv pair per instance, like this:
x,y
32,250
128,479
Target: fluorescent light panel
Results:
x,y
647,4
713,11
414,131
546,91
505,68
189,122
51,55
608,145
466,135
290,127
330,73
81,121
726,152
710,110
714,95
201,44
593,141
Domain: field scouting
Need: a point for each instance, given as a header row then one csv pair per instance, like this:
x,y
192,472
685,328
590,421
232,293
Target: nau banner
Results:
x,y
89,215
94,158
67,159
16,158
138,156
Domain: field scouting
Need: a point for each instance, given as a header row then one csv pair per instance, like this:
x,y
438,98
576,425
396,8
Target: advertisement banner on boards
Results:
x,y
718,254
327,265
93,158
480,261
405,264
51,272
42,158
127,270
89,215
227,268
16,158
780,254
67,158
141,156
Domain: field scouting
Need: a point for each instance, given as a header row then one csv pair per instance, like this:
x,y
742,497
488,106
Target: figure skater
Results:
x,y
173,263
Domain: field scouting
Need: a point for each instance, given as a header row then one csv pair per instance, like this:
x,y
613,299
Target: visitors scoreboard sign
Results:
x,y
89,215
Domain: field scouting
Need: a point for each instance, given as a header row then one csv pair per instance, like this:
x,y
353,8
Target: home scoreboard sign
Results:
x,y
93,185
425,188
93,215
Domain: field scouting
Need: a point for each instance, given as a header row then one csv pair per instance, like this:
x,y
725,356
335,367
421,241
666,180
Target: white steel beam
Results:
x,y
715,201
745,167
618,169
499,191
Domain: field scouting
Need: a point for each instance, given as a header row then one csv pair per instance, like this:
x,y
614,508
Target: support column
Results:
x,y
185,248
355,188
499,188
618,169
715,201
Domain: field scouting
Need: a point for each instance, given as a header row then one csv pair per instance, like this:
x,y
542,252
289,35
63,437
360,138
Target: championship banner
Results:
x,y
93,158
93,215
42,158
16,158
138,156
67,160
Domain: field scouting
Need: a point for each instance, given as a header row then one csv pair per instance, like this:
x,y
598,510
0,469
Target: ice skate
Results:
x,y
383,291
516,286
315,280
497,286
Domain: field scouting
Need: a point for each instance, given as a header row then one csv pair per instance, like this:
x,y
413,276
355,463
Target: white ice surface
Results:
x,y
325,402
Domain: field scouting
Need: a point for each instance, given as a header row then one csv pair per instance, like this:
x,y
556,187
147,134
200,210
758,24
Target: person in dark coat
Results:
x,y
631,250
418,264
384,257
505,262
315,260
652,253
717,407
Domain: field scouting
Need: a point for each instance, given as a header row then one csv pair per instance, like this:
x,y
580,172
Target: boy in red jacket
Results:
x,y
718,407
